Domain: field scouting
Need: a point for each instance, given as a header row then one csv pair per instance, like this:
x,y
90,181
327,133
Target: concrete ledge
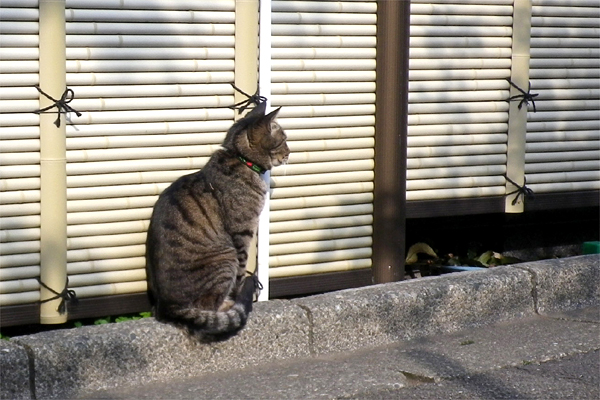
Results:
x,y
382,314
70,363
566,283
14,371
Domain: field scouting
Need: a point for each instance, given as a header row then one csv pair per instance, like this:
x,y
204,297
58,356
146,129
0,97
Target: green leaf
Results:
x,y
507,260
416,249
486,257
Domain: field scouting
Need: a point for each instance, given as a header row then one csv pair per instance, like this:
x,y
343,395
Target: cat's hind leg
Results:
x,y
242,306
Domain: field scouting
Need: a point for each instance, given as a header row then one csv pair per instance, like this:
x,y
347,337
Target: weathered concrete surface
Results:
x,y
572,377
382,314
565,283
496,361
591,314
70,363
14,371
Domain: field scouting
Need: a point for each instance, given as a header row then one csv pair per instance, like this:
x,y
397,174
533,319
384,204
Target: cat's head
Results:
x,y
259,138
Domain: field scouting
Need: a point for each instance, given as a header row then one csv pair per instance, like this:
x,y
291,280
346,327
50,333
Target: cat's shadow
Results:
x,y
199,336
207,338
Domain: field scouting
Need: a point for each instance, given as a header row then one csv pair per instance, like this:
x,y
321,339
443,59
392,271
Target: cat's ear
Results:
x,y
263,126
268,121
269,118
272,115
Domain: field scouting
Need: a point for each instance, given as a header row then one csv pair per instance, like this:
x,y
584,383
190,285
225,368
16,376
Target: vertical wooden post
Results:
x,y
53,175
246,48
389,219
517,118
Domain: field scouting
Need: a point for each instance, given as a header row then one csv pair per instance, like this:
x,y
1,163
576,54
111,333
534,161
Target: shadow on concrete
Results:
x,y
474,385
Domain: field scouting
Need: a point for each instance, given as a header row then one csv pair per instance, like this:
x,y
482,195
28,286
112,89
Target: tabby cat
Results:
x,y
201,228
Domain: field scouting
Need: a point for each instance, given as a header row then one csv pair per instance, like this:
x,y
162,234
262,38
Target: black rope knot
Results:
x,y
255,99
66,295
258,287
62,105
525,96
524,191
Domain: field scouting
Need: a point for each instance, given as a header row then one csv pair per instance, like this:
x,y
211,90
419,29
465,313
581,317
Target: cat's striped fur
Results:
x,y
201,228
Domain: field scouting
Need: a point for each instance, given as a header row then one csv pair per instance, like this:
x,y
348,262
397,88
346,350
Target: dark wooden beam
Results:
x,y
556,201
121,304
491,205
22,314
93,307
393,33
453,207
312,284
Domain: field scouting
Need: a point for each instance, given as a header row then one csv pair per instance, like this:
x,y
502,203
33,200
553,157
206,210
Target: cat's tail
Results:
x,y
220,322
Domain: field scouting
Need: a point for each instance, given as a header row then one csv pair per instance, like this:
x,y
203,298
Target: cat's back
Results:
x,y
183,193
189,189
213,194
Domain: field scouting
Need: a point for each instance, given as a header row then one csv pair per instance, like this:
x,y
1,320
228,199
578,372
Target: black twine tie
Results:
x,y
525,96
66,295
257,285
255,99
62,105
524,191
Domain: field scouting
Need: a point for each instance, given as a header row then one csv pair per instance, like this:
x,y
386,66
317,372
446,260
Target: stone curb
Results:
x,y
565,284
67,364
14,371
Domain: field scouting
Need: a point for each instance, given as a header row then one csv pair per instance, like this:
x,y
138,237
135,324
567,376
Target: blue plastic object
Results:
x,y
460,268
